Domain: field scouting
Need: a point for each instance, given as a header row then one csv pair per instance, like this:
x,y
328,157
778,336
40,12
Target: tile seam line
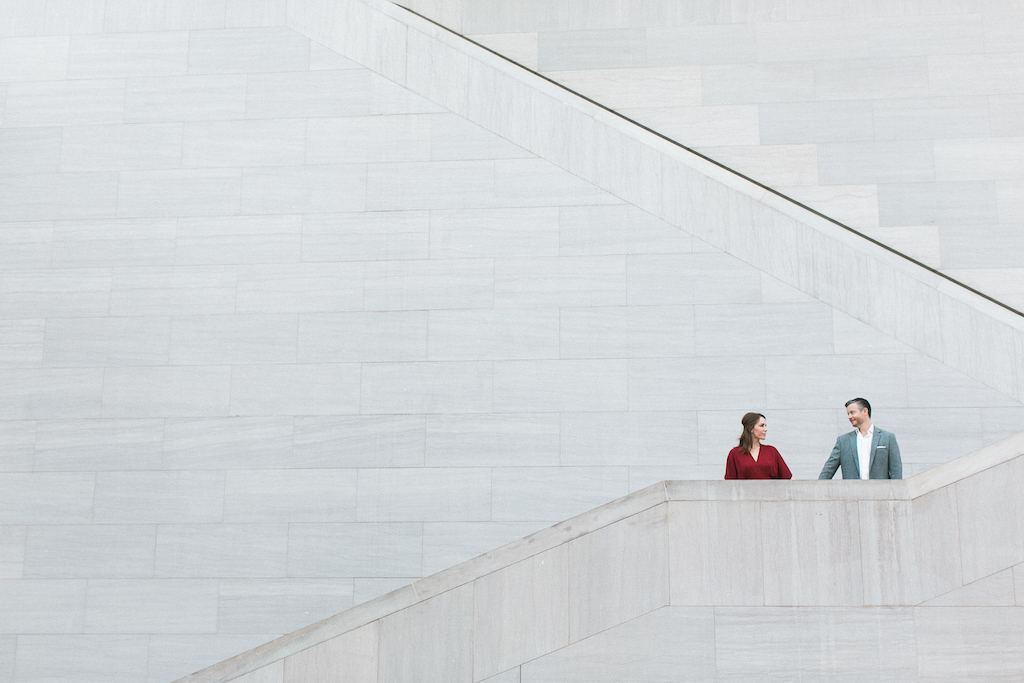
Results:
x,y
721,165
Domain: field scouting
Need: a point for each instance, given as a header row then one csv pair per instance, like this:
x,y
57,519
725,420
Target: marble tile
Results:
x,y
126,55
446,544
892,161
91,445
21,343
62,196
992,591
63,17
233,340
184,98
227,443
634,439
178,606
34,58
935,385
627,332
387,97
42,606
247,51
795,123
659,384
358,649
434,387
528,494
426,641
166,392
954,643
1000,423
510,676
623,229
521,612
693,45
26,246
887,550
216,144
493,334
272,605
492,440
243,13
1004,115
431,185
71,342
194,14
691,278
507,109
849,204
538,182
362,336
453,137
85,658
757,83
434,69
1018,583
600,49
369,589
238,240
21,20
280,496
973,74
112,243
12,555
221,550
367,236
769,329
300,287
47,394
64,103
819,574
642,87
25,151
990,520
188,192
90,552
520,48
553,386
424,495
359,441
368,139
344,92
18,441
869,79
784,165
991,246
933,118
304,189
936,542
301,389
665,644
32,294
174,656
8,648
406,285
832,380
715,553
476,233
339,550
779,643
561,281
159,497
46,498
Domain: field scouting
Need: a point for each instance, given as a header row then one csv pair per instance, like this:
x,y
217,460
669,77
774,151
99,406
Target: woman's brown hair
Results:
x,y
746,438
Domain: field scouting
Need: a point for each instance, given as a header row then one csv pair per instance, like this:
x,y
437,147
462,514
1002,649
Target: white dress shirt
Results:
x,y
864,451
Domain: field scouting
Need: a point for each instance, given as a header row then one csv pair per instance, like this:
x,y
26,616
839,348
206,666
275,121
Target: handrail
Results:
x,y
721,165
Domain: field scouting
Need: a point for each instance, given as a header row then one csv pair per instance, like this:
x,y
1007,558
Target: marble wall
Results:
x,y
902,120
281,331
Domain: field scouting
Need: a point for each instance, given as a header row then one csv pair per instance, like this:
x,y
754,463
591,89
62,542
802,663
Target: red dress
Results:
x,y
769,465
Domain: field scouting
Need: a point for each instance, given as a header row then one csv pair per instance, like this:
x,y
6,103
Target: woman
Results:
x,y
752,459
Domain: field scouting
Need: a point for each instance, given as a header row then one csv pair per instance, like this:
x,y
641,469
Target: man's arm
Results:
x,y
832,464
895,462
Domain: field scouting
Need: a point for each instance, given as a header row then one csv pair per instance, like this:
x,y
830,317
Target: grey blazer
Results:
x,y
885,457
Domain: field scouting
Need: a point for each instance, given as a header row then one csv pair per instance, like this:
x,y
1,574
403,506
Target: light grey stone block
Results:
x,y
181,14
607,439
300,287
936,542
991,520
90,552
90,445
142,194
820,575
368,589
560,385
446,544
579,50
215,144
323,389
425,495
308,94
853,336
562,281
430,185
453,137
868,79
1018,583
763,329
61,394
691,278
368,139
973,74
755,83
493,334
435,387
358,649
362,336
1004,115
159,497
834,644
978,159
359,441
174,656
339,550
795,123
521,612
58,196
303,189
887,550
892,161
30,150
85,658
659,384
992,591
476,233
242,13
1000,423
166,392
627,332
991,246
666,644
34,58
711,44
18,442
958,642
26,246
492,440
54,293
644,87
42,606
12,552
221,550
715,553
227,443
272,605
934,118
510,676
46,498
151,606
367,236
21,343
386,97
247,50
64,103
125,55
934,385
835,380
528,494
281,496
185,98
106,243
71,342
233,339
625,229
8,647
538,182
425,642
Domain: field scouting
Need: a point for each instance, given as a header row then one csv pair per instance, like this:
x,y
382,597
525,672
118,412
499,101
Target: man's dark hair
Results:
x,y
862,403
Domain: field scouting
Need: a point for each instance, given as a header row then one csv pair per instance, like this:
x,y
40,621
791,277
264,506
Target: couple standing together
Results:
x,y
865,453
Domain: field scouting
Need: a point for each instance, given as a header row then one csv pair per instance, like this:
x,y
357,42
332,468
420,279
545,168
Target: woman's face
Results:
x,y
760,430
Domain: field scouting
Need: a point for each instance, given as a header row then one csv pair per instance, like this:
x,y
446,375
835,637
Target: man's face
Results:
x,y
857,415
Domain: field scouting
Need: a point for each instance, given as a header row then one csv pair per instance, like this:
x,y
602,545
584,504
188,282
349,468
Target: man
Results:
x,y
865,453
